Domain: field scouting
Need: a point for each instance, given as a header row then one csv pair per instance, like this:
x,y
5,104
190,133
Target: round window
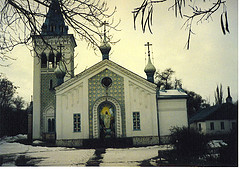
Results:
x,y
106,82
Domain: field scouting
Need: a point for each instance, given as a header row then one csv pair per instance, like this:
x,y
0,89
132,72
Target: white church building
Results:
x,y
105,101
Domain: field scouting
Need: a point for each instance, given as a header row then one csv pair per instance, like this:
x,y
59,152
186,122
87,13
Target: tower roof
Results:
x,y
54,23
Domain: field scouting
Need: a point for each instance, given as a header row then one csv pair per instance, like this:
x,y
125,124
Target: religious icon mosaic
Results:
x,y
106,120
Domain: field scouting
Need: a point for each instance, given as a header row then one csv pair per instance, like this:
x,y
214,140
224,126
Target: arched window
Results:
x,y
51,60
43,60
51,125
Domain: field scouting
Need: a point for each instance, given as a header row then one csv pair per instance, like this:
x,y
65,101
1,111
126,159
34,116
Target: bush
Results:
x,y
187,142
229,153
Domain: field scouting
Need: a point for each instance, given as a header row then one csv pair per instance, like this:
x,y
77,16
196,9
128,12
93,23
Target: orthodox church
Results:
x,y
105,101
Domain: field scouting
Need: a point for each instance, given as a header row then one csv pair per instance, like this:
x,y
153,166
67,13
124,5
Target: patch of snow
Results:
x,y
14,148
8,164
7,139
36,142
128,156
62,158
216,143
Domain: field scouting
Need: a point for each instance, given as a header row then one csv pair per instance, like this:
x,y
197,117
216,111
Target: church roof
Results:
x,y
172,94
54,23
112,66
225,111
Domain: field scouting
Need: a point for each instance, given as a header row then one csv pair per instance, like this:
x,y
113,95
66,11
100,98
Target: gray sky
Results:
x,y
211,60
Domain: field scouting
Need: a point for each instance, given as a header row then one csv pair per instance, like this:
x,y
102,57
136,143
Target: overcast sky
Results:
x,y
211,60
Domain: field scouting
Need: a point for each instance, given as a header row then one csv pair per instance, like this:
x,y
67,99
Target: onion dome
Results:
x,y
60,72
150,68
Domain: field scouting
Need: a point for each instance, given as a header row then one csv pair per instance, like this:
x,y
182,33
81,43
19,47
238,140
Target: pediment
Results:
x,y
113,67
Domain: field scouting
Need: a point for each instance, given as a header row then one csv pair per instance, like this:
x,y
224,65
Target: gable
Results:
x,y
107,64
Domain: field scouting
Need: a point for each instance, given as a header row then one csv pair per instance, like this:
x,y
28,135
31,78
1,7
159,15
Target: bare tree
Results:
x,y
20,19
219,95
163,79
199,12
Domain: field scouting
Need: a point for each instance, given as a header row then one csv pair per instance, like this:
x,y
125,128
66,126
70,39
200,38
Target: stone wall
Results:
x,y
147,140
70,142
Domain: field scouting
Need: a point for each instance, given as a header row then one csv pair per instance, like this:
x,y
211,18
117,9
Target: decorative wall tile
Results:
x,y
47,95
96,91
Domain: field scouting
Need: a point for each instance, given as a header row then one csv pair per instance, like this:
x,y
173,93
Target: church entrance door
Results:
x,y
107,114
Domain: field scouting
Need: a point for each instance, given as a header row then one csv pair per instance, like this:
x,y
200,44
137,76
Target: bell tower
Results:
x,y
52,46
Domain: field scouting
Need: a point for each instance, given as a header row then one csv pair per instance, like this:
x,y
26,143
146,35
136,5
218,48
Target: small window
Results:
x,y
51,60
61,29
222,125
199,127
212,126
136,121
50,84
52,28
77,122
43,60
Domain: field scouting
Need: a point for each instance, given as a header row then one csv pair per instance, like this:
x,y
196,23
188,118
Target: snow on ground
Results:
x,y
45,156
62,156
130,156
12,138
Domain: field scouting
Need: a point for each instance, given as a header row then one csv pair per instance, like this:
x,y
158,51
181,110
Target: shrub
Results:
x,y
187,142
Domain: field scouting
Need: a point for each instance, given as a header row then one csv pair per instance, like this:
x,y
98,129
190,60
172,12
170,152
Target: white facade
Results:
x,y
214,126
138,96
172,106
73,97
172,114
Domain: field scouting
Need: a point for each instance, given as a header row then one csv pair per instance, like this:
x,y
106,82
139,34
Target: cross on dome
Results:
x,y
104,31
149,69
148,45
105,47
